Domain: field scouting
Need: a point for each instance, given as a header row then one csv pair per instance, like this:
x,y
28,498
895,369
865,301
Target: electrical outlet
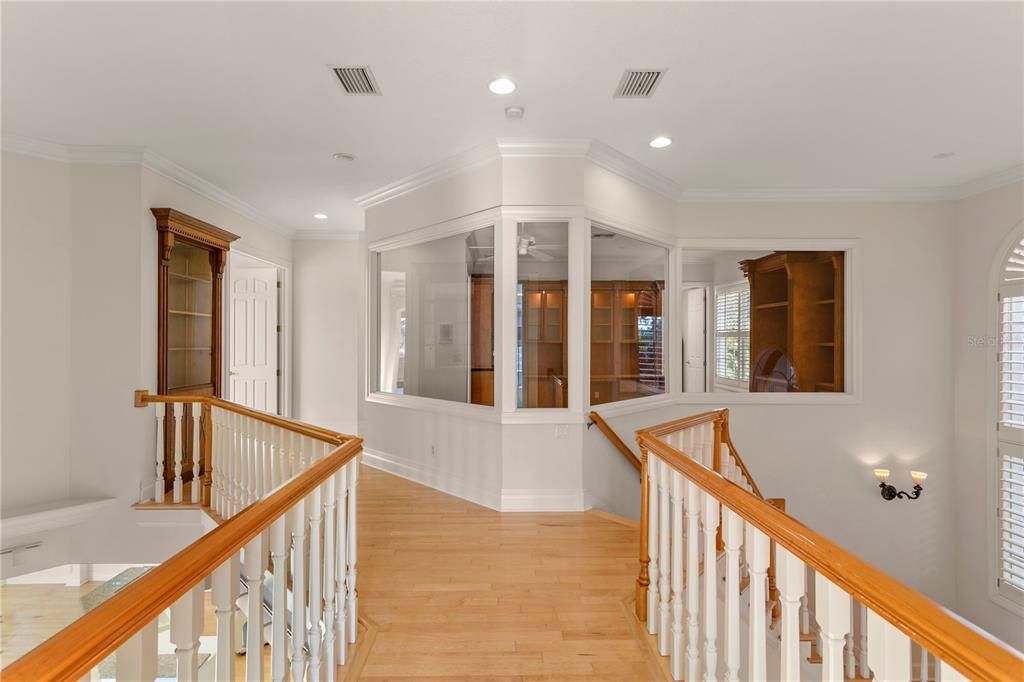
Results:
x,y
562,431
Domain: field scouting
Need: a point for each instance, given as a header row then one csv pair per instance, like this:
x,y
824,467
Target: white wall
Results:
x,y
35,431
984,223
329,282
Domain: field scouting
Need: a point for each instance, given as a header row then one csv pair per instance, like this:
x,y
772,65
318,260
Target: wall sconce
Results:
x,y
889,491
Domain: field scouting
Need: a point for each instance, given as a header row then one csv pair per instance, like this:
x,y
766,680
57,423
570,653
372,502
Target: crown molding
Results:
x,y
530,148
453,165
27,146
837,194
988,182
325,235
130,155
613,160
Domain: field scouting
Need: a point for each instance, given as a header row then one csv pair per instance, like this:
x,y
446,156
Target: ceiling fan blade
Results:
x,y
482,247
541,256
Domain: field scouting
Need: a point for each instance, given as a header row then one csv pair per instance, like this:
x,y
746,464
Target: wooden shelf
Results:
x,y
190,349
771,306
189,313
827,344
827,301
189,278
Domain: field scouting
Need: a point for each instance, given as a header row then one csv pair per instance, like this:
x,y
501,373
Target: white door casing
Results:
x,y
695,341
252,357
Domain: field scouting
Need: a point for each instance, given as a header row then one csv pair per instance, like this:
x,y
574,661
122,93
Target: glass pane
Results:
x,y
436,317
189,317
763,321
542,300
627,358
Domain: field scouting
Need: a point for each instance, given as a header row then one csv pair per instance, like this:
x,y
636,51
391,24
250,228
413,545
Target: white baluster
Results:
x,y
757,547
791,574
298,524
315,584
922,664
692,535
186,626
812,623
158,488
179,438
832,611
214,466
225,594
946,673
664,559
197,481
678,652
653,469
250,460
850,665
862,636
710,521
888,650
330,576
136,659
341,547
352,596
732,537
279,597
709,445
254,609
231,481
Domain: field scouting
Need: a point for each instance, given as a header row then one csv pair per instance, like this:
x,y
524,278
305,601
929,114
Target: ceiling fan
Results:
x,y
526,245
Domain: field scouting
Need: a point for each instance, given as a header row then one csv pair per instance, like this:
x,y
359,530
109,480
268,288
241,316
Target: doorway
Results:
x,y
255,347
695,338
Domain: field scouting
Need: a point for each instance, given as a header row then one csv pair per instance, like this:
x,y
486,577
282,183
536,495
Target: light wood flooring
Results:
x,y
460,592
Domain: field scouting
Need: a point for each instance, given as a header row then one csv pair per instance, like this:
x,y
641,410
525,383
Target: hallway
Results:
x,y
452,590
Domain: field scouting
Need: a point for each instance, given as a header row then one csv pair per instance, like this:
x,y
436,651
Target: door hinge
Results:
x,y
279,285
278,329
278,372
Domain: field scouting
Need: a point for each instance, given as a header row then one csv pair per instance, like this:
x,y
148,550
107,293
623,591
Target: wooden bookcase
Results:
x,y
190,268
796,321
545,359
481,335
620,366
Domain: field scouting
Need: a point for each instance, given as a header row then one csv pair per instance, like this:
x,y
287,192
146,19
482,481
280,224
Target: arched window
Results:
x,y
1010,424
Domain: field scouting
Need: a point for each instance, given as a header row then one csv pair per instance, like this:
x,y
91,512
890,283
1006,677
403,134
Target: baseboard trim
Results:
x,y
542,500
438,480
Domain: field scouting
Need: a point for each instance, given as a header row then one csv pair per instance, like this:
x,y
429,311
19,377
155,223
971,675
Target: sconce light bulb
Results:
x,y
882,475
918,477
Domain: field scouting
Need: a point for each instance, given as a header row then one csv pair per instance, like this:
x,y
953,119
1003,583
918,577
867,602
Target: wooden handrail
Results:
x,y
76,649
609,432
727,439
143,398
972,651
666,428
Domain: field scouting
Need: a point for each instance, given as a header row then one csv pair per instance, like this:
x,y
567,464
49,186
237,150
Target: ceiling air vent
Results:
x,y
356,80
639,83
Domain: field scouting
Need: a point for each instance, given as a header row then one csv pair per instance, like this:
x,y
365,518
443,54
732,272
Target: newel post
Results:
x,y
643,580
207,453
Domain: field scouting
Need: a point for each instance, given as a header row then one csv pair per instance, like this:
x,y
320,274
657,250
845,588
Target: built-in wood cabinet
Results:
x,y
544,344
796,321
191,258
625,360
481,337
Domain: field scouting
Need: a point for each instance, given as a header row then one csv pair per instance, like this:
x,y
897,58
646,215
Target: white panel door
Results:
x,y
253,353
694,341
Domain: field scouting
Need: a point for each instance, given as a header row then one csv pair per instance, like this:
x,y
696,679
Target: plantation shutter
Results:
x,y
732,334
1010,359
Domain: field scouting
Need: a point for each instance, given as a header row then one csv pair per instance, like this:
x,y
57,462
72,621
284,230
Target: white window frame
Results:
x,y
1005,595
852,343
736,385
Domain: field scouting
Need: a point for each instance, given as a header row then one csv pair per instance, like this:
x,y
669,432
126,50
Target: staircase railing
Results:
x,y
274,482
824,591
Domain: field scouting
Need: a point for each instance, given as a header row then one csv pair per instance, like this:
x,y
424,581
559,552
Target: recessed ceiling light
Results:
x,y
502,86
943,155
344,156
320,216
660,142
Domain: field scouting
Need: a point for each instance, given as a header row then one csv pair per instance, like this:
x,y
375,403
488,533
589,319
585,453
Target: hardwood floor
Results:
x,y
460,592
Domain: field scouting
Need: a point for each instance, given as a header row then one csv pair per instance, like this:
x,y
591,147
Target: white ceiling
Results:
x,y
767,96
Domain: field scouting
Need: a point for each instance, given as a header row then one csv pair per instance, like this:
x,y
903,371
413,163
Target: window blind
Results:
x,y
732,333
